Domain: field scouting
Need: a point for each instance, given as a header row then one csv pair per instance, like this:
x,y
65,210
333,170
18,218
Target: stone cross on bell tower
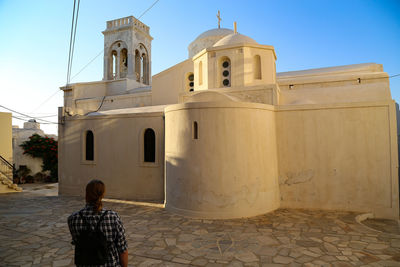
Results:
x,y
219,20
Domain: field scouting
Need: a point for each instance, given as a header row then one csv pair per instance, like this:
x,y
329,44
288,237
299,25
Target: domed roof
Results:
x,y
207,39
214,32
235,38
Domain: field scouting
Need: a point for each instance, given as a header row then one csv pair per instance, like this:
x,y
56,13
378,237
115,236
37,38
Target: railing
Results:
x,y
131,20
7,168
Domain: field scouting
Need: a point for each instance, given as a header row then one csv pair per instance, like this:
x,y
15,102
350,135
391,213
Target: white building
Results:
x,y
222,135
20,135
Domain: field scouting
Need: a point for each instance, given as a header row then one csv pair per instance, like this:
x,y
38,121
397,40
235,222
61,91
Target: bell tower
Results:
x,y
127,50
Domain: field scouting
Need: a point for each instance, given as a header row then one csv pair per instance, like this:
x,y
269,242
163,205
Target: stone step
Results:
x,y
6,185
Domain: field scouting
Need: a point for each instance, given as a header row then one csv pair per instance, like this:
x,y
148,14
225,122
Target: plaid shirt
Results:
x,y
111,226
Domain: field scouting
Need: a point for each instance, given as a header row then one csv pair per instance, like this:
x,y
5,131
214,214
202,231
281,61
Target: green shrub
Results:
x,y
45,148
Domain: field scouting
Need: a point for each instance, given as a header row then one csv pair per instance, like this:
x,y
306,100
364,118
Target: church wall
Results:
x,y
230,170
203,74
237,67
114,102
169,84
6,136
267,60
339,157
118,158
86,90
337,92
369,84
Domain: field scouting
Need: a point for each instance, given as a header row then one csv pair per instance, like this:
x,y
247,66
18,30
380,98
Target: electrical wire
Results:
x,y
103,48
70,40
73,42
71,49
88,64
27,116
47,99
22,119
148,9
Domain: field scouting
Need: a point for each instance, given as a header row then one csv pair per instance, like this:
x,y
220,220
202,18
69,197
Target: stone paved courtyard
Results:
x,y
34,232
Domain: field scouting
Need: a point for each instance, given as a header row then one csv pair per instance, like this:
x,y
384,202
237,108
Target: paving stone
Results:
x,y
306,243
282,259
311,254
357,244
329,247
235,263
342,258
377,246
267,240
330,239
284,252
268,251
246,257
39,236
199,262
61,263
180,260
304,259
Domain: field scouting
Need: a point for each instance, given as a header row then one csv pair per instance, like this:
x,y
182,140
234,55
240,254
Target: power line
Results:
x,y
394,75
73,43
87,64
58,90
74,24
148,9
27,116
71,48
70,40
103,48
22,119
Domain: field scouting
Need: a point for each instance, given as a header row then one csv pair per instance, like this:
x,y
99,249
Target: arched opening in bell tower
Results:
x,y
114,65
142,65
123,65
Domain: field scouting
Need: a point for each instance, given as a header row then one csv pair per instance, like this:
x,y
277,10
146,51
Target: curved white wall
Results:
x,y
230,171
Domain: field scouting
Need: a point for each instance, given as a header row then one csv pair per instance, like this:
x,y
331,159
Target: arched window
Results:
x,y
257,67
149,145
123,63
225,72
200,73
189,81
89,142
195,130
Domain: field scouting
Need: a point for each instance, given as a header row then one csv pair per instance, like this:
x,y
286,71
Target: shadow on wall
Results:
x,y
186,189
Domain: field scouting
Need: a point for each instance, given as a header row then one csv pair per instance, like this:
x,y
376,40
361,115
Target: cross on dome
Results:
x,y
219,20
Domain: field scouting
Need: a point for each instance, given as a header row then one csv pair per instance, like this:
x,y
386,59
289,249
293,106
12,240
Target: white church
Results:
x,y
222,135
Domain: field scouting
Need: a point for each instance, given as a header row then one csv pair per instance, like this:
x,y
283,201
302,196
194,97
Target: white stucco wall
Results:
x,y
21,135
118,157
170,83
230,171
339,157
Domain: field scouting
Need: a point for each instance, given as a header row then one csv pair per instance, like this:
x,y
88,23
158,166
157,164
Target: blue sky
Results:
x,y
306,34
